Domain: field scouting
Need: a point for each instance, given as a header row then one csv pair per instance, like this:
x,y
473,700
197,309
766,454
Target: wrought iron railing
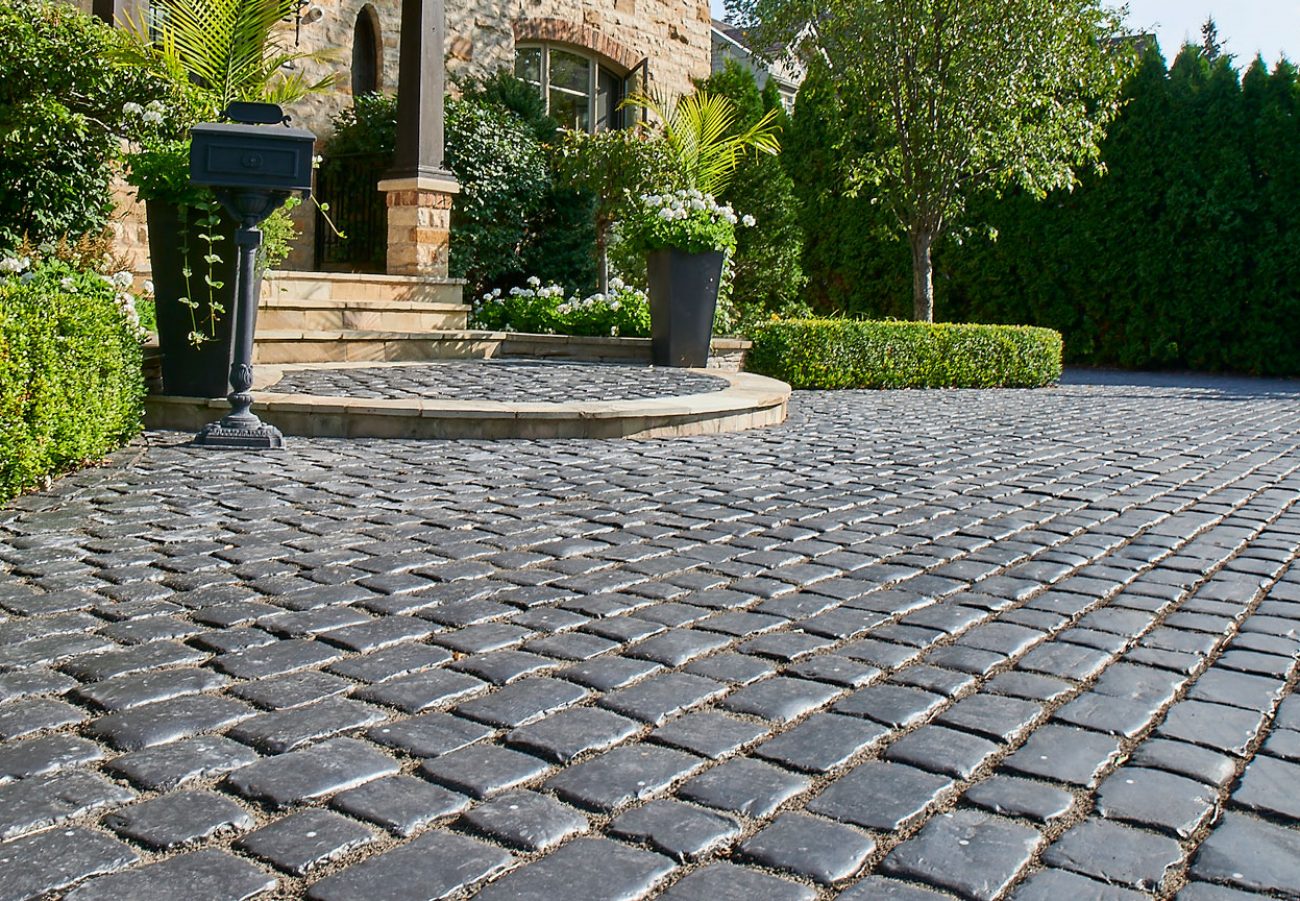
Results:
x,y
347,185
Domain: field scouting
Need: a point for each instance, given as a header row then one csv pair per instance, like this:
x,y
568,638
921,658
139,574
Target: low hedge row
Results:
x,y
71,388
846,353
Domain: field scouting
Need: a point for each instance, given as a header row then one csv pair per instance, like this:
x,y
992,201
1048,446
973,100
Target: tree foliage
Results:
x,y
943,97
60,112
766,266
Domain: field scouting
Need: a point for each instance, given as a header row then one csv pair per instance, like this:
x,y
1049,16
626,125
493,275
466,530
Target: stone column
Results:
x,y
419,190
419,224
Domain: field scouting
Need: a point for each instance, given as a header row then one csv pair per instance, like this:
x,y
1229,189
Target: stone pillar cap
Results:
x,y
442,185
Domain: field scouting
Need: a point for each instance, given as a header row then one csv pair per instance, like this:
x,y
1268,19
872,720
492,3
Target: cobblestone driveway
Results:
x,y
907,646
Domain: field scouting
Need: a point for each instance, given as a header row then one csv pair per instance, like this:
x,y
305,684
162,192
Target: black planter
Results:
x,y
189,370
683,297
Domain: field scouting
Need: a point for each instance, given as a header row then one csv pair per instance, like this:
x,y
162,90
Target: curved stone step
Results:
x,y
747,401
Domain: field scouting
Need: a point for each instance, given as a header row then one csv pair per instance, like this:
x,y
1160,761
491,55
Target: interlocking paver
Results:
x,y
38,864
828,622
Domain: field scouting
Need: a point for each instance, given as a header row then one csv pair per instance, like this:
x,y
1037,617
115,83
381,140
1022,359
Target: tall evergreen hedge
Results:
x,y
1184,254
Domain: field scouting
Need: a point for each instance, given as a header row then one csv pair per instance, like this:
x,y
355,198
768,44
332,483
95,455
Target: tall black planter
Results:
x,y
189,370
683,298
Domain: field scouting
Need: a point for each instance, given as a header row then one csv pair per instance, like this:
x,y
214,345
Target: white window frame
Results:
x,y
593,75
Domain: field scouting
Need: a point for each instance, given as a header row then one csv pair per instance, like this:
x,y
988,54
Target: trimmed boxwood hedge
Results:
x,y
71,385
847,353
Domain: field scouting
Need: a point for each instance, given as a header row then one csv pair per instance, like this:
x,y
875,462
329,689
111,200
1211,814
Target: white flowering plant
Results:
x,y
622,311
53,276
688,220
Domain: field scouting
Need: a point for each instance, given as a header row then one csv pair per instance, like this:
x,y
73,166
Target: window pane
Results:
x,y
571,109
609,94
571,72
528,65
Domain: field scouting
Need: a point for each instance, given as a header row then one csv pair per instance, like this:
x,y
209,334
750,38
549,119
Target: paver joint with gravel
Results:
x,y
918,645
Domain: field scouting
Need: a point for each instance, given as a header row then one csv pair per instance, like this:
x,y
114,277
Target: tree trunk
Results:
x,y
922,277
602,259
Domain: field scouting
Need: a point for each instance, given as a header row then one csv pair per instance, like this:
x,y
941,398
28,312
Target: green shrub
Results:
x,y
545,309
61,107
71,388
848,353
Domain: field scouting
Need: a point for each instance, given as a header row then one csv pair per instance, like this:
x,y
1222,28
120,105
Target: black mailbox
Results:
x,y
226,155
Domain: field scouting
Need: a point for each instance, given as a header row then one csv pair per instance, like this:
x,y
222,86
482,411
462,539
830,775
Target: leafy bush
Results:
x,y
61,107
546,310
768,275
71,388
848,353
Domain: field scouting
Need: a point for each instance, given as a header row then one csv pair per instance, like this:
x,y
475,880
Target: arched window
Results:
x,y
579,91
365,52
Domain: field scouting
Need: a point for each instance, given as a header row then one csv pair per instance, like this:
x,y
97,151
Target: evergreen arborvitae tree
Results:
x,y
768,275
1268,344
854,261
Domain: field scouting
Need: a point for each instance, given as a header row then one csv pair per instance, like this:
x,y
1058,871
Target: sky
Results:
x,y
1247,27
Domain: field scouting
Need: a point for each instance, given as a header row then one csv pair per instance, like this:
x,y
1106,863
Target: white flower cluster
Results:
x,y
15,265
619,293
150,114
680,205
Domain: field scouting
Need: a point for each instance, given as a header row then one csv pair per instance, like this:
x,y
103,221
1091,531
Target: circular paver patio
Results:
x,y
508,381
914,644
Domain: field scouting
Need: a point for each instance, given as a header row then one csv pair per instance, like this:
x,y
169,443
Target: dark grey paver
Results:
x,y
880,795
434,865
400,804
179,818
284,730
1065,754
1199,763
1269,786
1215,726
314,772
522,702
682,831
37,756
166,767
810,847
822,742
526,820
745,786
975,854
1250,853
1115,854
728,882
625,774
166,721
1013,796
430,734
42,801
304,840
879,888
1053,885
48,861
781,700
209,874
941,750
708,733
484,769
570,733
586,869
1156,799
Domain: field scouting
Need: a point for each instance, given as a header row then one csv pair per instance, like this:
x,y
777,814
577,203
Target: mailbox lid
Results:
x,y
251,156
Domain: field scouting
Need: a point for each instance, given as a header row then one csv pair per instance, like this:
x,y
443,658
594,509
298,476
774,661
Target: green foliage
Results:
x,y
768,277
60,110
616,168
215,52
945,96
538,309
514,216
705,137
71,388
854,261
504,177
846,353
1183,254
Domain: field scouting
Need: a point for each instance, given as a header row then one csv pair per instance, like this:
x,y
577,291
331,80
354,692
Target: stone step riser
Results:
x,y
272,317
327,287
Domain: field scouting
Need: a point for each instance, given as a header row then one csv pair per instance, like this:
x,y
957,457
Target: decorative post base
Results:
x,y
242,437
419,224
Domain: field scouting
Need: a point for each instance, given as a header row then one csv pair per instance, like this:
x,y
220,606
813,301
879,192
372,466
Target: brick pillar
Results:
x,y
419,224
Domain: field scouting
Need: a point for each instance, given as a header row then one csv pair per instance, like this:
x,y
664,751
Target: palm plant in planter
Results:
x,y
208,54
686,235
